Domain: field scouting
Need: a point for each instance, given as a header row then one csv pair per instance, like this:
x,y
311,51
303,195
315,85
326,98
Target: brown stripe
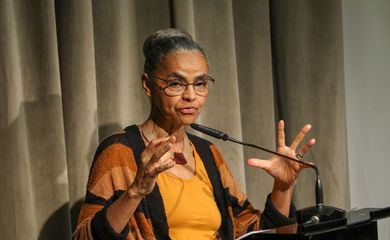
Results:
x,y
113,156
145,225
119,178
227,177
88,210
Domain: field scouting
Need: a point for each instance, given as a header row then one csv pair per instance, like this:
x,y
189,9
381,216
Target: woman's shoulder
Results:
x,y
128,138
116,154
123,136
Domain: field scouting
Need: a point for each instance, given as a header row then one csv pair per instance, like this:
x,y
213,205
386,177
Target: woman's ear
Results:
x,y
145,84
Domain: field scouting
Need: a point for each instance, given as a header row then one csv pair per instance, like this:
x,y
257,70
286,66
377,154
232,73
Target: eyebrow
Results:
x,y
181,77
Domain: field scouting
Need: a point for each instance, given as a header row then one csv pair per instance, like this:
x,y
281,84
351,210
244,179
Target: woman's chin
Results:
x,y
187,120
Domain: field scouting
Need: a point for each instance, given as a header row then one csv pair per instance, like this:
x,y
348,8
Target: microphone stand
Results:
x,y
312,218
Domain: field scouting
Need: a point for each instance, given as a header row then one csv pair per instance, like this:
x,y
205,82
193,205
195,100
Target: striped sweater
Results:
x,y
114,169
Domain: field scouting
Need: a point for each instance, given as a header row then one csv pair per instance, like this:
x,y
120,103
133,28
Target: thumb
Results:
x,y
259,163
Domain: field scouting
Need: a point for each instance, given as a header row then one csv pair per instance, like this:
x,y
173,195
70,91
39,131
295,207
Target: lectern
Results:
x,y
359,224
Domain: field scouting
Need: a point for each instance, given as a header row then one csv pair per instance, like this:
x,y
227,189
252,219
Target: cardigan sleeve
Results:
x,y
244,216
112,172
272,218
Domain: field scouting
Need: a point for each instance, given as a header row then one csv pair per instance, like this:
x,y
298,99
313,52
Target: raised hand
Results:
x,y
155,159
285,172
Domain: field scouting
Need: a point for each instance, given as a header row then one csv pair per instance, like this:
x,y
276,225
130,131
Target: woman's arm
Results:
x,y
284,172
110,203
154,161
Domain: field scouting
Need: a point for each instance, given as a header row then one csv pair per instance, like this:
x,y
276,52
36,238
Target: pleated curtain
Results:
x,y
70,76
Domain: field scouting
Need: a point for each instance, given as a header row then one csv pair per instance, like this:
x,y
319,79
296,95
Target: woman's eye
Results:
x,y
201,83
175,83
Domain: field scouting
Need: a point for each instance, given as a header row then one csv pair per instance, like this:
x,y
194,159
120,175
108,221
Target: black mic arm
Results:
x,y
225,137
304,216
318,187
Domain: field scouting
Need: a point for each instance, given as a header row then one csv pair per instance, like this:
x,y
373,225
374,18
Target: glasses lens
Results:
x,y
177,87
201,87
174,87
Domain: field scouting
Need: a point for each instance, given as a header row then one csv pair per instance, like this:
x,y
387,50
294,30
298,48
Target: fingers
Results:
x,y
153,158
153,169
281,136
305,148
157,148
161,149
300,136
259,163
307,166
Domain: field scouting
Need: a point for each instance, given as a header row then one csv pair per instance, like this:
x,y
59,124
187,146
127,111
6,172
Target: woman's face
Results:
x,y
184,65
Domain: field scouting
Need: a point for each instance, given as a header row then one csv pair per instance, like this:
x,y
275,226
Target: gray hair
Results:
x,y
165,41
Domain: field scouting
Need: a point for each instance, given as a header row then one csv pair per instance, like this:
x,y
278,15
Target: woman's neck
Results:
x,y
151,130
159,129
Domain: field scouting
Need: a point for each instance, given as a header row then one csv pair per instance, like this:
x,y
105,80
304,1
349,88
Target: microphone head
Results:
x,y
210,131
315,219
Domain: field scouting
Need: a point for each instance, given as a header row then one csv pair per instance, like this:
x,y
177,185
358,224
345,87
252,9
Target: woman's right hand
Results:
x,y
155,159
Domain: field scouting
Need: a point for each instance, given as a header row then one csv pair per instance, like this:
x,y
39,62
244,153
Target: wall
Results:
x,y
367,82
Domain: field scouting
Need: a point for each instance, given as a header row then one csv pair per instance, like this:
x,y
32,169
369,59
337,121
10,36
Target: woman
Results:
x,y
155,181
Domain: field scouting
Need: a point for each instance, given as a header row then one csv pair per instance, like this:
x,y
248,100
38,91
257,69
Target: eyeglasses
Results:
x,y
177,87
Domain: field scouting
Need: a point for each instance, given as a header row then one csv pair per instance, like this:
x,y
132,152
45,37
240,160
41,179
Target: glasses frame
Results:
x,y
185,83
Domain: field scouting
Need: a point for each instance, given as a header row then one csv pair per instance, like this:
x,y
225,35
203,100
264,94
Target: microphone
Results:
x,y
211,132
306,216
220,135
314,219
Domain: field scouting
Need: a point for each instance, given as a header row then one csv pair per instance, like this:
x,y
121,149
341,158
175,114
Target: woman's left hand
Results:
x,y
285,172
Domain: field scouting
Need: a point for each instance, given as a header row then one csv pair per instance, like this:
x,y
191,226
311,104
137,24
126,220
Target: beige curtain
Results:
x,y
70,75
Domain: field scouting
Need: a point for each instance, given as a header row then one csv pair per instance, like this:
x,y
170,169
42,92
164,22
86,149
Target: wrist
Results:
x,y
281,197
134,193
283,187
282,191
